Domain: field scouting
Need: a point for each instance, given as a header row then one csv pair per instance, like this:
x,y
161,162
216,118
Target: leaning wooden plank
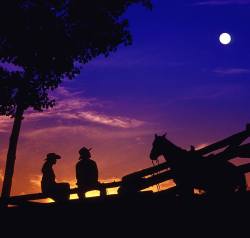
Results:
x,y
101,185
156,179
244,168
132,184
242,151
36,196
148,171
236,138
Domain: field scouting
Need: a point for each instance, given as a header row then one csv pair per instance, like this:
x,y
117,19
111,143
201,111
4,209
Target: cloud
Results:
x,y
36,180
11,67
1,175
200,146
232,71
87,131
5,123
54,131
222,2
90,116
74,107
3,154
114,121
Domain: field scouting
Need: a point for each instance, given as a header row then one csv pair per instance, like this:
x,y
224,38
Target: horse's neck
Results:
x,y
172,152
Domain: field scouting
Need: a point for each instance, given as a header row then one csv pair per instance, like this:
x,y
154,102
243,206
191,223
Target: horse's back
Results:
x,y
222,176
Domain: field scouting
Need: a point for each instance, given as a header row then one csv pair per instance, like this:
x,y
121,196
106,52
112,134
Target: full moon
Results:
x,y
225,38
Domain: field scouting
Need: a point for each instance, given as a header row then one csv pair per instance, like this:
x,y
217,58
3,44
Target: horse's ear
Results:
x,y
156,136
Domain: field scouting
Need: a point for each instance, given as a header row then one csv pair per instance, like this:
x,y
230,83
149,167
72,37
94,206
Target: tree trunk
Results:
x,y
11,155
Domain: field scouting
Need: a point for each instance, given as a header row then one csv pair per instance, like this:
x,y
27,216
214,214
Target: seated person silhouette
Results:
x,y
87,174
59,192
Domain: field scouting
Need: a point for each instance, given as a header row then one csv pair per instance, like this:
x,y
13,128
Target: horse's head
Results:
x,y
159,144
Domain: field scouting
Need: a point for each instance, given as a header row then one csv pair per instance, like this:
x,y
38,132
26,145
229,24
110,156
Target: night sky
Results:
x,y
176,78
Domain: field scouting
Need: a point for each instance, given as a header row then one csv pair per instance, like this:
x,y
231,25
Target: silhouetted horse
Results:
x,y
192,170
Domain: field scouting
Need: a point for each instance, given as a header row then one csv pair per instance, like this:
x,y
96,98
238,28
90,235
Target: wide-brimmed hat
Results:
x,y
84,151
52,156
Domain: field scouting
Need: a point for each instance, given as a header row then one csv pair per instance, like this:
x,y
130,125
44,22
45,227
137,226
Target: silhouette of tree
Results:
x,y
46,39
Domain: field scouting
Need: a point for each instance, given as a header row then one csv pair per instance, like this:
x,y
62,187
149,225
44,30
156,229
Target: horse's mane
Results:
x,y
170,143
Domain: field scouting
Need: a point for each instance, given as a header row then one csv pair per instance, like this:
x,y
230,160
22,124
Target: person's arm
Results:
x,y
96,171
77,171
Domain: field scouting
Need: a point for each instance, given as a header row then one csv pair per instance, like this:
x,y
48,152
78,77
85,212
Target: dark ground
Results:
x,y
146,214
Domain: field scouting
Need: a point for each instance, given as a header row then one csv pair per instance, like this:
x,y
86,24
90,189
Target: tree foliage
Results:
x,y
47,37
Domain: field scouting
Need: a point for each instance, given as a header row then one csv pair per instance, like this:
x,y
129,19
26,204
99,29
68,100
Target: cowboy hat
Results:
x,y
53,156
84,150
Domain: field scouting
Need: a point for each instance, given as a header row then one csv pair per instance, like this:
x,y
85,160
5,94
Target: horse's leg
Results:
x,y
236,179
184,189
187,191
226,179
242,183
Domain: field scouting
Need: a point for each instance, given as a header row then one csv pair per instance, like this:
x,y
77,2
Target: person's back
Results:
x,y
56,191
48,178
87,174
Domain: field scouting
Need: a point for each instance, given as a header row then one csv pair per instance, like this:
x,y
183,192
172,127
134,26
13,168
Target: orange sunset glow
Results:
x,y
121,145
125,117
195,90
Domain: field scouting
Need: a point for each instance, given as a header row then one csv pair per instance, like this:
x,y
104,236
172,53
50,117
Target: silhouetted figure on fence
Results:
x,y
87,174
57,191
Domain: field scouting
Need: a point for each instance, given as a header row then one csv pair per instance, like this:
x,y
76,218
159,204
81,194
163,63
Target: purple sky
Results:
x,y
175,78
